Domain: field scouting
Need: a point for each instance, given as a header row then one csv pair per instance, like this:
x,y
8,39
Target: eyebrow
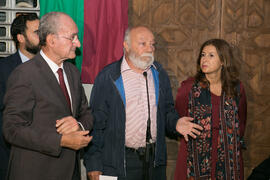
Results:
x,y
142,40
209,52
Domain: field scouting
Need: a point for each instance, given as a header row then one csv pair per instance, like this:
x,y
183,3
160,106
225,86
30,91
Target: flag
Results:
x,y
105,24
101,25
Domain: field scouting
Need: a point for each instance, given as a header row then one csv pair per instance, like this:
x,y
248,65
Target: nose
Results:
x,y
150,48
77,42
204,58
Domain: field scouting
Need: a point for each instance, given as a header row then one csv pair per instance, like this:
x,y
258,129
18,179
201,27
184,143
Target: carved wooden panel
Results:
x,y
246,23
181,26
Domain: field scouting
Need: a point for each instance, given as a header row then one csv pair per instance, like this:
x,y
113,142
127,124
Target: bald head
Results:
x,y
136,31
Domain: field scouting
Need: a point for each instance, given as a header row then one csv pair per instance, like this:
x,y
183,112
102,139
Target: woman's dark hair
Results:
x,y
229,72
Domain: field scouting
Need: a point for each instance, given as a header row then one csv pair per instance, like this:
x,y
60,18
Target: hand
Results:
x,y
67,125
76,140
94,175
185,127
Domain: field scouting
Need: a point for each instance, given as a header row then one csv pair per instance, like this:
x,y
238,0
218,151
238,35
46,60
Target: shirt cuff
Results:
x,y
81,126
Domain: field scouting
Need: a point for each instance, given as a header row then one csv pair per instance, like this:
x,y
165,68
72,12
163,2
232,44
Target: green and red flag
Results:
x,y
101,24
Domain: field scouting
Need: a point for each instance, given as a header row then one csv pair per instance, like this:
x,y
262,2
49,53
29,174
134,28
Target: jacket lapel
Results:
x,y
17,59
51,80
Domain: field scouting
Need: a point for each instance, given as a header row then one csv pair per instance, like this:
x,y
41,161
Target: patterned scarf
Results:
x,y
228,150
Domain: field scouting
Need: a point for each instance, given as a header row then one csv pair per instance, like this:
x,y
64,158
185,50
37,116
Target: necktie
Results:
x,y
63,86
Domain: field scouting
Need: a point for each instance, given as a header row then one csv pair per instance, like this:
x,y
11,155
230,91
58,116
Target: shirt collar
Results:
x,y
124,65
23,57
54,67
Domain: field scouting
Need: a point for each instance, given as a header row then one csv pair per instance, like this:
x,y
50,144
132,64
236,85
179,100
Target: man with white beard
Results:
x,y
133,108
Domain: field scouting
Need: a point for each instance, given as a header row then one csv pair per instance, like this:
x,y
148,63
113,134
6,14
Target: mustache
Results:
x,y
147,55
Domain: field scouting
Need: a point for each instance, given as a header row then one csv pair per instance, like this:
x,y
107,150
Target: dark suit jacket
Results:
x,y
7,65
33,103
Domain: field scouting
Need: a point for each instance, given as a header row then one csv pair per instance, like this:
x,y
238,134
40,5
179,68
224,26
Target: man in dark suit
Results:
x,y
46,117
23,31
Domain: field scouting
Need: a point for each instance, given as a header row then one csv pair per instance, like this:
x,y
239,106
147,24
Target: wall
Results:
x,y
181,26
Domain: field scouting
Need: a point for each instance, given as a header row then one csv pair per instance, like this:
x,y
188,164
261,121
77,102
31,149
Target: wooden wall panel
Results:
x,y
246,24
181,26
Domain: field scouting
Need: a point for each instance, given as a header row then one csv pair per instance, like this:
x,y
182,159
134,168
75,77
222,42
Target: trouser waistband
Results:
x,y
141,150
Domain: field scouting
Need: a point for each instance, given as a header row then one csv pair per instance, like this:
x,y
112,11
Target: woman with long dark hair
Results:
x,y
216,99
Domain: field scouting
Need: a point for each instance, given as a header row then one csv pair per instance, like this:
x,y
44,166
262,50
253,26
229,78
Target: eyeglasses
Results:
x,y
72,39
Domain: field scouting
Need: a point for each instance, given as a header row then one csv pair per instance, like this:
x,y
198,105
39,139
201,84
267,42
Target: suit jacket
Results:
x,y
33,103
7,65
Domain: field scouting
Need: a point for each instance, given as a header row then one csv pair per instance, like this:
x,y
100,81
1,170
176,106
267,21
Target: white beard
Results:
x,y
143,61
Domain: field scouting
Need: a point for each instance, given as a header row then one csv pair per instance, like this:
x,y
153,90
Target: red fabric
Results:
x,y
215,101
105,22
63,86
181,106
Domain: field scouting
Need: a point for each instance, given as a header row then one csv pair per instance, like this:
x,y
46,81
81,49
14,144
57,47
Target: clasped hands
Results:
x,y
72,136
185,127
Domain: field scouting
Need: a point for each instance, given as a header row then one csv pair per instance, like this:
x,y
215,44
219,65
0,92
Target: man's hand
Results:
x,y
67,125
185,127
94,175
76,140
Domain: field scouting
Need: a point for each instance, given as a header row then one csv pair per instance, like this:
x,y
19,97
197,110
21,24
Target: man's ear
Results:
x,y
50,40
126,46
20,38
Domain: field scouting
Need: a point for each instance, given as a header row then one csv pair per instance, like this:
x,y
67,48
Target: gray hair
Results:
x,y
127,36
49,24
128,31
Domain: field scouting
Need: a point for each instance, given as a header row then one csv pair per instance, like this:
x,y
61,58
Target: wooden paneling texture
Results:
x,y
181,26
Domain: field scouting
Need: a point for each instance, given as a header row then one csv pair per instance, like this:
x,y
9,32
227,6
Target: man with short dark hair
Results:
x,y
46,117
24,33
